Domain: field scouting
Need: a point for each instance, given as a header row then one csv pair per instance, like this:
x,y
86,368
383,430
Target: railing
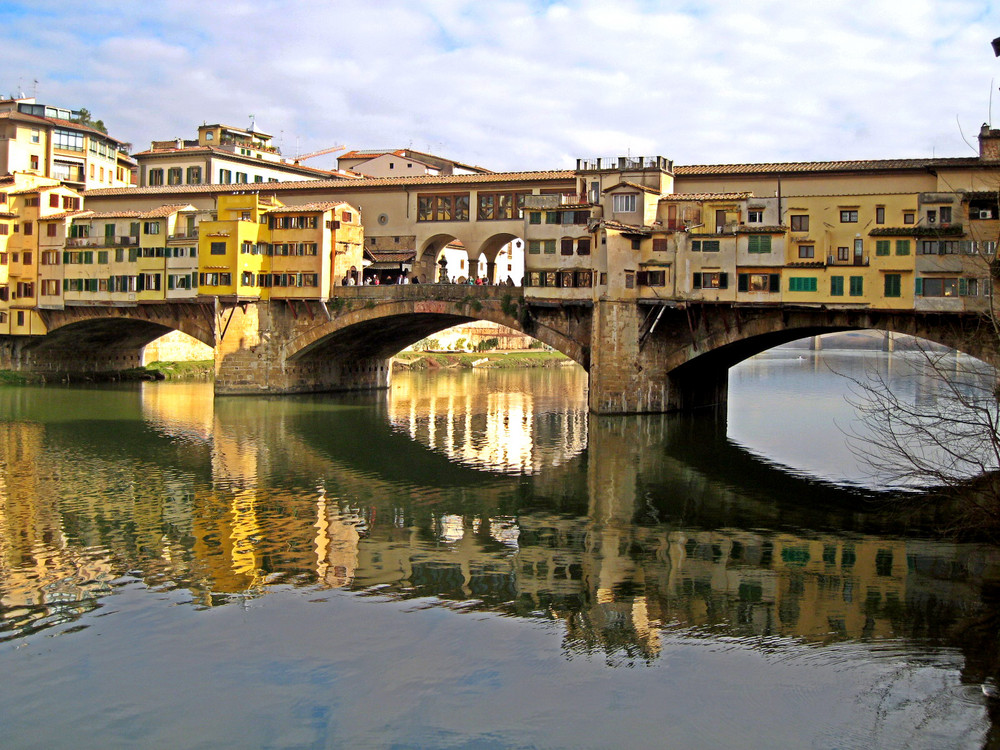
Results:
x,y
104,241
624,162
183,236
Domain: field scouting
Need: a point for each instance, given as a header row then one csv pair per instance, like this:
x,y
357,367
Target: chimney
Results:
x,y
989,143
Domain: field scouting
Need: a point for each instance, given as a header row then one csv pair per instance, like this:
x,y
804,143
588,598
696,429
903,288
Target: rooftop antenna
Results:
x,y
252,122
34,90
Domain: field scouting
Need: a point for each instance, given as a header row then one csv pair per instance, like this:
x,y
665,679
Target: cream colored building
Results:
x,y
51,142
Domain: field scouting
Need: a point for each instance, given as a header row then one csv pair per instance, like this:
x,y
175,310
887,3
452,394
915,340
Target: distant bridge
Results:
x,y
645,356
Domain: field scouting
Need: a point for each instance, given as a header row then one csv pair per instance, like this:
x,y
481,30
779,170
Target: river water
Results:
x,y
471,560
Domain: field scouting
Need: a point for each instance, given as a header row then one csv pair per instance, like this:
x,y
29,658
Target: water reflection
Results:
x,y
502,427
500,495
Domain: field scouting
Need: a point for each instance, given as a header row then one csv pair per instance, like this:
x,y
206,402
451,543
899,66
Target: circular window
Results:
x,y
383,219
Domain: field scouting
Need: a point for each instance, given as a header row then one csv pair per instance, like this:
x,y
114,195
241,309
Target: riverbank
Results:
x,y
462,360
198,370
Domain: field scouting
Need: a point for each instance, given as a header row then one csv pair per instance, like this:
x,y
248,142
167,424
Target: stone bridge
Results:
x,y
642,356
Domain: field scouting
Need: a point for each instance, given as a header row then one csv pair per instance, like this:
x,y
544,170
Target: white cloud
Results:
x,y
523,84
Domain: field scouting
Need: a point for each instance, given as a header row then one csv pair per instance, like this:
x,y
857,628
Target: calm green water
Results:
x,y
473,561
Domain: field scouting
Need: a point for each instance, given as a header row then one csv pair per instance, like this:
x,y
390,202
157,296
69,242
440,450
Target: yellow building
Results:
x,y
35,206
259,249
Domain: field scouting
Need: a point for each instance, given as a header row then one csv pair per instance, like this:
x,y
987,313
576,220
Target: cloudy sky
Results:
x,y
524,84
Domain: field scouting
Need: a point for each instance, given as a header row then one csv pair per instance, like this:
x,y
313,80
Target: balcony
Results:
x,y
191,236
554,200
105,241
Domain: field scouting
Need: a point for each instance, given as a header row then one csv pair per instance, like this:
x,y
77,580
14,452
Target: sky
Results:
x,y
524,84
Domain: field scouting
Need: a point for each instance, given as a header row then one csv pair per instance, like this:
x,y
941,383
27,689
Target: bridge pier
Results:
x,y
251,356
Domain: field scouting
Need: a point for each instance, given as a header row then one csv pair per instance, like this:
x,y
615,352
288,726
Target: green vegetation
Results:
x,y
424,360
8,377
200,370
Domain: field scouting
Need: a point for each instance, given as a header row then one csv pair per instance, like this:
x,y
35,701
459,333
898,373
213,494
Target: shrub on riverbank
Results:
x,y
200,370
460,360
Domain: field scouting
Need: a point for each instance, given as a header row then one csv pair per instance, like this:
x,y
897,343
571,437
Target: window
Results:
x,y
35,135
802,284
652,278
34,161
800,222
225,176
549,247
843,253
857,285
636,244
909,217
4,228
931,216
28,228
453,207
704,246
755,216
50,287
836,286
566,246
217,248
501,206
175,176
893,285
902,247
535,217
945,212
759,243
624,203
937,287
151,227
26,260
67,140
241,177
534,247
882,247
848,216
583,247
194,175
710,280
53,201
50,229
880,214
758,282
156,177
660,245
807,251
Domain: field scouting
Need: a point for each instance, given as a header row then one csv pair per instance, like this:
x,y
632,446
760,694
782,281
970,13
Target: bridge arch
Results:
x,y
93,340
382,329
695,373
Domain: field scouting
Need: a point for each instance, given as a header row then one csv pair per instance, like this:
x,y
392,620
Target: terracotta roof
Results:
x,y
626,228
684,197
8,215
860,165
761,229
114,215
805,264
317,206
164,211
633,185
360,184
394,257
25,117
63,215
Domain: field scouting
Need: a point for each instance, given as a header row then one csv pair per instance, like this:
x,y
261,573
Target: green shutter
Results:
x,y
774,282
836,286
723,281
753,243
919,287
742,282
902,247
963,287
882,247
535,217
